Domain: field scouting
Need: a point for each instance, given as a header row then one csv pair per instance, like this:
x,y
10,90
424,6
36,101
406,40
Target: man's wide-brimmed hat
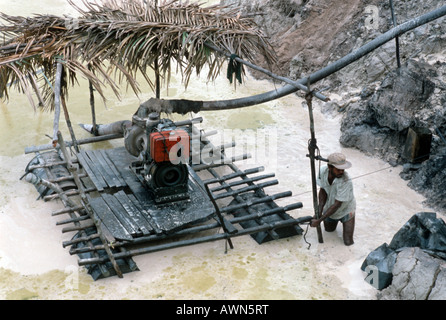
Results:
x,y
339,161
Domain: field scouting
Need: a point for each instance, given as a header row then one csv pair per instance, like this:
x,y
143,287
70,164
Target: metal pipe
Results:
x,y
255,201
184,243
244,181
246,189
234,175
328,70
296,84
70,143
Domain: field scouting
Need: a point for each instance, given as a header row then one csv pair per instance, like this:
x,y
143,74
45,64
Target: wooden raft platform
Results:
x,y
125,206
115,218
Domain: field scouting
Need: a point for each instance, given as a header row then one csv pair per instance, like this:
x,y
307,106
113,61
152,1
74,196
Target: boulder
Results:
x,y
387,265
416,276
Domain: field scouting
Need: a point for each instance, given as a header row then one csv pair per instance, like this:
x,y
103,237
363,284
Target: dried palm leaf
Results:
x,y
128,36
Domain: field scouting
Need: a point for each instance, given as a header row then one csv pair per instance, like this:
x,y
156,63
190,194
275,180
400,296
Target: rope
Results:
x,y
305,236
360,176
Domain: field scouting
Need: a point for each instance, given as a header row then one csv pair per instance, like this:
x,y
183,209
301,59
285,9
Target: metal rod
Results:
x,y
244,181
234,175
397,42
246,189
80,239
67,210
221,162
68,193
81,218
255,201
88,224
311,148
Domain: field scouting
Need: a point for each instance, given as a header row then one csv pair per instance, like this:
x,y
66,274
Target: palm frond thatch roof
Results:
x,y
113,40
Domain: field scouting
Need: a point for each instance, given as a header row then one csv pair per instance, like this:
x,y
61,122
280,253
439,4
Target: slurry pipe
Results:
x,y
328,70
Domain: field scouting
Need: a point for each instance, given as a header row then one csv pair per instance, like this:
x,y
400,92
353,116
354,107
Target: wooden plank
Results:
x,y
122,159
120,213
99,183
93,171
134,213
101,168
121,181
108,219
145,214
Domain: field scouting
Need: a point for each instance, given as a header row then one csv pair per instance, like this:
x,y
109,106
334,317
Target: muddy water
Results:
x,y
34,265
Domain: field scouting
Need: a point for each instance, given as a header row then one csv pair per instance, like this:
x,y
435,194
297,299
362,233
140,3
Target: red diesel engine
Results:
x,y
169,145
163,151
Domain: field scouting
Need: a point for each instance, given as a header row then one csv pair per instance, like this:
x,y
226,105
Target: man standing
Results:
x,y
336,199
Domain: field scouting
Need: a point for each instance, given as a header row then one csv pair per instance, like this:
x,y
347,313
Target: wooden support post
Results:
x,y
93,111
311,148
57,86
70,128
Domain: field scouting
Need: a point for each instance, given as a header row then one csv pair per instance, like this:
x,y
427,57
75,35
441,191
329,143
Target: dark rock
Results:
x,y
430,180
389,112
380,124
379,265
423,230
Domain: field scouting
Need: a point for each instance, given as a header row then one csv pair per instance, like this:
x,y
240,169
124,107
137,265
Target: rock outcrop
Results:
x,y
309,34
411,97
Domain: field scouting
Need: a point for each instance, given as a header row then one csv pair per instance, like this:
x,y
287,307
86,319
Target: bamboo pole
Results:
x,y
57,88
93,112
70,128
